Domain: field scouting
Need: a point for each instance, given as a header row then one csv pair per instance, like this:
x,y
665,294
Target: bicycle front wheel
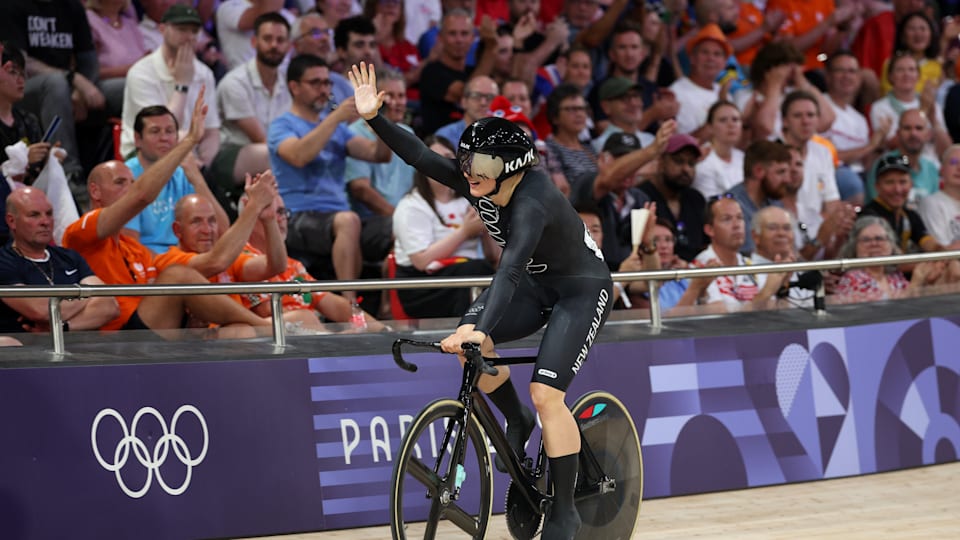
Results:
x,y
611,435
435,493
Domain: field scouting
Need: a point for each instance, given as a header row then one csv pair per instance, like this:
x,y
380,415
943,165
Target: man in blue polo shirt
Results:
x,y
308,150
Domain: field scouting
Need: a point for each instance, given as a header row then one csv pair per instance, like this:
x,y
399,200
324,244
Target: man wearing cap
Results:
x,y
615,192
708,50
766,168
622,101
913,132
678,203
626,53
476,99
893,188
172,76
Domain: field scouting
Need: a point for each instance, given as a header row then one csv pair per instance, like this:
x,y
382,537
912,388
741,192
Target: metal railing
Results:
x,y
58,293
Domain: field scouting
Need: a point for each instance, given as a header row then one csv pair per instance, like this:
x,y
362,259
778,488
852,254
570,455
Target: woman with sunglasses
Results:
x,y
550,270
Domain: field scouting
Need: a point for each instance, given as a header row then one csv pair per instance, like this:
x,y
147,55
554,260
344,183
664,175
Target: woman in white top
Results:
x,y
723,167
439,234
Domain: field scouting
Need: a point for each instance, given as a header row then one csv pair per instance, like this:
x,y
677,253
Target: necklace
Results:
x,y
116,24
46,259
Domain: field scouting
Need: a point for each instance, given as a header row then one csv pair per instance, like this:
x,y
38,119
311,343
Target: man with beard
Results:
x,y
723,223
172,76
678,203
237,24
766,166
308,147
250,96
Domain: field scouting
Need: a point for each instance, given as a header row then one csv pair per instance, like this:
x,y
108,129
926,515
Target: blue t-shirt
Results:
x,y
392,179
452,131
155,223
320,184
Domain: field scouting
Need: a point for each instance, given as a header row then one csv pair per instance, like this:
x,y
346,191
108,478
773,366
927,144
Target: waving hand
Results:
x,y
368,100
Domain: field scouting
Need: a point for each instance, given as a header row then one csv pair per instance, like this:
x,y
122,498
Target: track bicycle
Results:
x,y
442,482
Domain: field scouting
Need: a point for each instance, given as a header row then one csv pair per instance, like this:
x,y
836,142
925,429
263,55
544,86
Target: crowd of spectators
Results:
x,y
217,140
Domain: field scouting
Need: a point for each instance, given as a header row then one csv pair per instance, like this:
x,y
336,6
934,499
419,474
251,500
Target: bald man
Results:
x,y
120,259
31,259
220,258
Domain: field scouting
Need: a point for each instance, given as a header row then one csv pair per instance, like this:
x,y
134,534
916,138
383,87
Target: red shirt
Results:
x,y
874,42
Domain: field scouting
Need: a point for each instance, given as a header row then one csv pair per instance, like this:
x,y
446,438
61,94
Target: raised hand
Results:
x,y
648,230
667,130
364,80
199,117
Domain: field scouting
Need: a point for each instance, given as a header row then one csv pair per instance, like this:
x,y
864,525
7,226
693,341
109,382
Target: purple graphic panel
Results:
x,y
231,449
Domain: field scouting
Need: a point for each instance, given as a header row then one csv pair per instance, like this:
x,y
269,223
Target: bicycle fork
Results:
x,y
471,375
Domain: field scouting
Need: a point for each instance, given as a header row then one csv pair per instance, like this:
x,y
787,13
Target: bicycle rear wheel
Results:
x,y
611,434
423,500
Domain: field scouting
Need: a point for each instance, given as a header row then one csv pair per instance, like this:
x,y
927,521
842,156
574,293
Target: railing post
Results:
x,y
656,320
819,299
56,324
276,307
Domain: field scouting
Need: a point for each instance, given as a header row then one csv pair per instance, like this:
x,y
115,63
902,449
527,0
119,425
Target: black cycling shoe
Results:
x,y
561,524
517,435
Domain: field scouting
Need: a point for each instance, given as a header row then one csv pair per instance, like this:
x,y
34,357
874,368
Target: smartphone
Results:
x,y
51,129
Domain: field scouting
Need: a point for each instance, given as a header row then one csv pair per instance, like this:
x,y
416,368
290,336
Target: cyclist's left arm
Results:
x,y
528,221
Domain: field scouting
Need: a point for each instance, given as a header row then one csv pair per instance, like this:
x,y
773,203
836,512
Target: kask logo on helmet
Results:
x,y
514,165
169,444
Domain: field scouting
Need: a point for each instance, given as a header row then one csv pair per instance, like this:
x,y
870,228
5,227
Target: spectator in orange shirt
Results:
x,y
754,29
119,259
815,26
333,307
219,257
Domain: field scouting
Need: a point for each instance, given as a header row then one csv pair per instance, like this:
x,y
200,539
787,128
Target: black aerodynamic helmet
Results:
x,y
503,149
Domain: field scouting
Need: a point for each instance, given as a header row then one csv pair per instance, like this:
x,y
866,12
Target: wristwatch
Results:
x,y
648,249
182,88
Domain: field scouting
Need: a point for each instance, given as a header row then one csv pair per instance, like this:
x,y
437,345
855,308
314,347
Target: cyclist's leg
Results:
x,y
574,324
526,317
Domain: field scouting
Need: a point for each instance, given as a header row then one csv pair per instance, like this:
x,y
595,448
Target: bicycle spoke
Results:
x,y
462,519
436,511
425,476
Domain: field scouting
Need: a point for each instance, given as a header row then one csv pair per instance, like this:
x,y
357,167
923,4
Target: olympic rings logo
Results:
x,y
161,448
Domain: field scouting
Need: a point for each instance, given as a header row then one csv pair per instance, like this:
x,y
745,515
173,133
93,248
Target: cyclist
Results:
x,y
550,270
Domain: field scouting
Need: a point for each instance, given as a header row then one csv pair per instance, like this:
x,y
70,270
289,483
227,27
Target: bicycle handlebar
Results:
x,y
471,351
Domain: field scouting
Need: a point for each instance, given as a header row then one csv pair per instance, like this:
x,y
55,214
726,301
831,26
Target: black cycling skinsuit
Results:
x,y
550,269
